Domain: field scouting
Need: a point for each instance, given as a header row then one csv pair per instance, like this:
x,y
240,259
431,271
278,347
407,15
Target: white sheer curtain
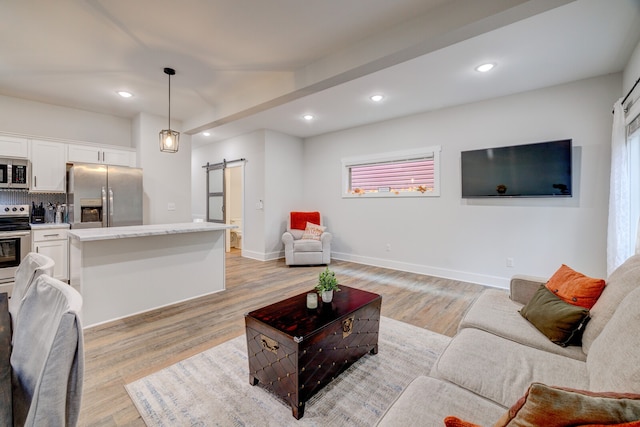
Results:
x,y
618,227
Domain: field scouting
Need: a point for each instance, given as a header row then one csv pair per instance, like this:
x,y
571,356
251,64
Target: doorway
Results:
x,y
234,202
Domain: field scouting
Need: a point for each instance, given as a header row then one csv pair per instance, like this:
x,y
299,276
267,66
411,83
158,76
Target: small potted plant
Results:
x,y
327,283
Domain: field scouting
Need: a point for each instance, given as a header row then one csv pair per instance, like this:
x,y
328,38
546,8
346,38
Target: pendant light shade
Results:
x,y
169,139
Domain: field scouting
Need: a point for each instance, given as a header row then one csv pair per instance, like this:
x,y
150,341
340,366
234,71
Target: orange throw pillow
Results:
x,y
457,422
629,424
575,288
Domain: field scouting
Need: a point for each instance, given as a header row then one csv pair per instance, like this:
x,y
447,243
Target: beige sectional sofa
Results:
x,y
497,354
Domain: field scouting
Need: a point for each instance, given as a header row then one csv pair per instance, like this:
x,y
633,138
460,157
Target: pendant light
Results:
x,y
169,139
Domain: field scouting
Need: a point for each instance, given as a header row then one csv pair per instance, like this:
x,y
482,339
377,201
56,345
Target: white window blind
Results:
x,y
405,174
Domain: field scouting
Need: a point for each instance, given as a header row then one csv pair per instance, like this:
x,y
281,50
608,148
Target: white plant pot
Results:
x,y
327,296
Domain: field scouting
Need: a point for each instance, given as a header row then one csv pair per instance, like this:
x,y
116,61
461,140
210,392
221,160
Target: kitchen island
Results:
x,y
121,271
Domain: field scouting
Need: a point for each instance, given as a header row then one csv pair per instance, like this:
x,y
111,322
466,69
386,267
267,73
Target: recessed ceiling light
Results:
x,y
125,94
206,133
485,67
376,98
308,117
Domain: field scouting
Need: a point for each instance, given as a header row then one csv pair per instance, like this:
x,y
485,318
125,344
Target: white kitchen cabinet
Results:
x,y
101,155
48,167
14,147
53,243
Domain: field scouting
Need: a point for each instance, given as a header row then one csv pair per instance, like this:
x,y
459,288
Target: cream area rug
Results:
x,y
212,388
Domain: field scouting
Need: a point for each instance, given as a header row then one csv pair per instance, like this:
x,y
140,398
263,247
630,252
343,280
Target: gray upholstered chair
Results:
x,y
32,266
303,245
47,359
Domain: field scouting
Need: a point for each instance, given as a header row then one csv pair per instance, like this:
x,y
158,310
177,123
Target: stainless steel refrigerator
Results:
x,y
103,196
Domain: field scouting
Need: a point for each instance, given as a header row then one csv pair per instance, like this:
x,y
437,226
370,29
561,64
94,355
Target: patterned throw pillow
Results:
x,y
547,406
575,288
313,231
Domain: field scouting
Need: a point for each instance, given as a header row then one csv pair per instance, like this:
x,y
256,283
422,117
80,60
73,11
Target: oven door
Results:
x,y
14,246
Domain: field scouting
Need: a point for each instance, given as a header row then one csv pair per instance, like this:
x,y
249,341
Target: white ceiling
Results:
x,y
243,65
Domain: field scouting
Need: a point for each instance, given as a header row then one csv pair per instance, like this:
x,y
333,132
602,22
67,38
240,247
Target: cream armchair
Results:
x,y
306,242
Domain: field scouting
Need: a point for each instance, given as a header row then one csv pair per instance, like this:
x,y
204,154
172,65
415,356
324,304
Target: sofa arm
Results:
x,y
287,238
523,287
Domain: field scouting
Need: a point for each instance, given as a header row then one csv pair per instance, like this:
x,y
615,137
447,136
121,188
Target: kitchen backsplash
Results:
x,y
13,197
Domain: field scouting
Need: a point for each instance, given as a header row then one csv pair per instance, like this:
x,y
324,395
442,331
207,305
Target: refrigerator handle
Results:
x,y
110,205
104,207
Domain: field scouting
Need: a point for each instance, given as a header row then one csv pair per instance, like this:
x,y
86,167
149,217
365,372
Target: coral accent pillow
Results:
x,y
299,219
457,422
575,288
313,231
547,406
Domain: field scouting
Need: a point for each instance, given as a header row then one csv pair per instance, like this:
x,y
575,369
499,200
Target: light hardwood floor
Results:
x,y
125,350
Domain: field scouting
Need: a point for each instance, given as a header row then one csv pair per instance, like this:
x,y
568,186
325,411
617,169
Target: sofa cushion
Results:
x,y
307,245
574,287
623,280
428,401
467,359
613,358
496,313
558,320
547,406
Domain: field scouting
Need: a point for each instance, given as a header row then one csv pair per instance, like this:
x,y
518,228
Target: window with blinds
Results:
x,y
397,174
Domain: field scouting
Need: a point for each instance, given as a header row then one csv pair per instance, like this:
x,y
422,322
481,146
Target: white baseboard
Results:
x,y
493,281
463,276
262,256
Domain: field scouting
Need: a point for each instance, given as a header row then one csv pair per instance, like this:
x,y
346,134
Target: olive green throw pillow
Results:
x,y
561,322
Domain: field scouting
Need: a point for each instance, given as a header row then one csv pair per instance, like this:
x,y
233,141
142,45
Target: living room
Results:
x,y
468,239
476,241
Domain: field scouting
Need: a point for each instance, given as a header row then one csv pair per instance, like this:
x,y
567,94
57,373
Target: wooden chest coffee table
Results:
x,y
295,351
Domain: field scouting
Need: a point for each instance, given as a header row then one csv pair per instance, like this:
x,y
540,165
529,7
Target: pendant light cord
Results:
x,y
170,72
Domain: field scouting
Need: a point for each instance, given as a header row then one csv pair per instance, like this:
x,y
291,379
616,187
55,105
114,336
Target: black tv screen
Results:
x,y
531,170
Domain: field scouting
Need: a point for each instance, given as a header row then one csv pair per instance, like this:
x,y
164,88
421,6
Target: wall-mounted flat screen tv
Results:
x,y
531,170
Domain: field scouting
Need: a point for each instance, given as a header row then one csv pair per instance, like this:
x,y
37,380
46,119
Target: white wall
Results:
x,y
166,176
235,193
283,187
273,176
470,240
51,121
632,73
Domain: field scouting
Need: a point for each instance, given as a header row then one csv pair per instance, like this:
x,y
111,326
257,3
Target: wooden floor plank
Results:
x,y
125,350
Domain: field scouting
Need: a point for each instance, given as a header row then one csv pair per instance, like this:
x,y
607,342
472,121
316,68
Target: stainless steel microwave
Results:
x,y
14,173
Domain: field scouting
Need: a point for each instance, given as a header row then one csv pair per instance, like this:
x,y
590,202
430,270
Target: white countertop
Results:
x,y
47,225
91,234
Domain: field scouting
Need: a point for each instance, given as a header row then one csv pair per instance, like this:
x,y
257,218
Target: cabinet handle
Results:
x,y
51,235
98,156
35,181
